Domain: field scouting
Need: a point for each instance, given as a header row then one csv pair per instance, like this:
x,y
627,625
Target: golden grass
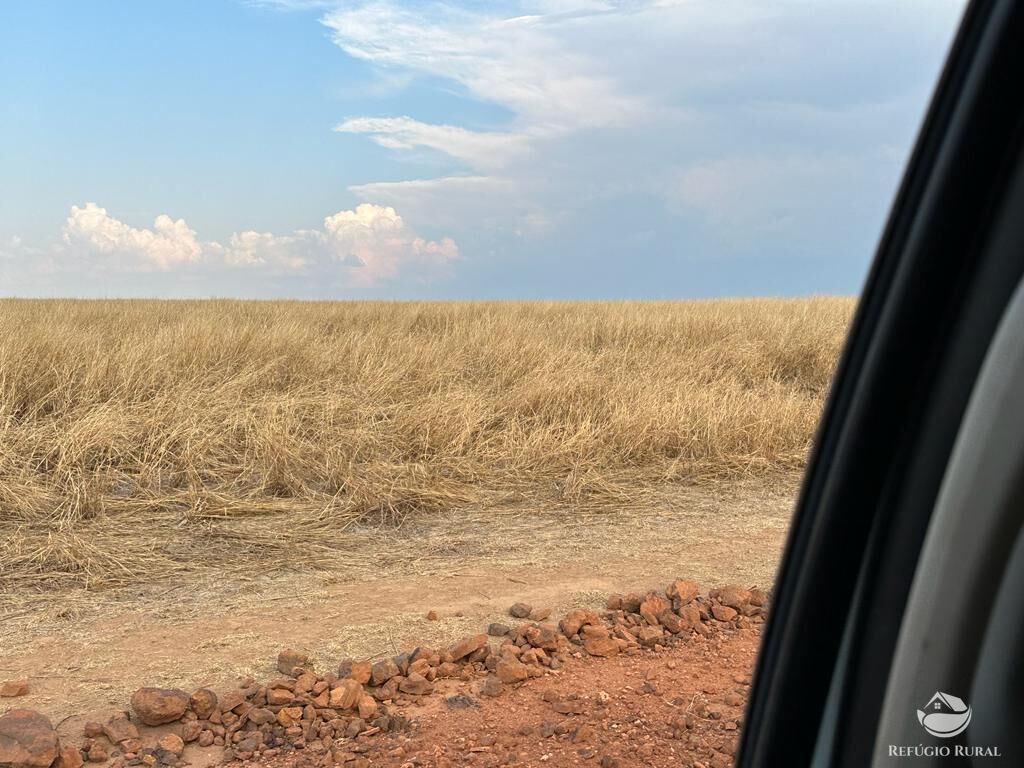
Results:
x,y
143,439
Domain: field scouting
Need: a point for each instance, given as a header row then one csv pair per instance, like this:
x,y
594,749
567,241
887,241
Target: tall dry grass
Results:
x,y
141,439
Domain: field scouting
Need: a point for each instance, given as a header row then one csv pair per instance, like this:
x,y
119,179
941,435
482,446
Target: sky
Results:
x,y
560,149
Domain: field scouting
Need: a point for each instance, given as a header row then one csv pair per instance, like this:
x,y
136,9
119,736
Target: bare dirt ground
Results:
x,y
84,655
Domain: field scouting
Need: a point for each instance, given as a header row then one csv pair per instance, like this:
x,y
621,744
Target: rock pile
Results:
x,y
334,716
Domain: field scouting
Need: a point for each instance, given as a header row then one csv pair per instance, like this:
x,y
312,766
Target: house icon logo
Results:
x,y
944,715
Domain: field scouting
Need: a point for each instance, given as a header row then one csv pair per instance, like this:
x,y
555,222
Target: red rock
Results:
x,y
631,603
539,614
277,697
578,618
69,757
172,742
682,591
206,739
598,642
383,671
347,694
652,607
511,670
498,630
27,740
651,635
230,699
416,685
543,636
119,728
92,729
156,706
432,616
289,716
690,616
520,610
492,686
98,752
305,682
758,597
13,688
367,707
467,646
672,622
614,603
204,703
361,671
289,660
732,596
723,612
190,731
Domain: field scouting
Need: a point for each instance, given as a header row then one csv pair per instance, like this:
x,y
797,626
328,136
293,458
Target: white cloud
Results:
x,y
365,245
167,244
480,149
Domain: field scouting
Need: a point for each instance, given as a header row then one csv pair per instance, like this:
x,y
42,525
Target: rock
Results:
x,y
432,616
415,684
69,757
206,739
467,646
27,740
539,614
260,715
689,614
614,603
230,699
190,731
367,707
598,641
511,670
289,716
578,618
682,591
498,630
383,671
277,697
304,683
361,672
204,703
289,660
671,622
543,636
13,688
119,728
520,610
631,602
156,706
723,612
650,636
652,607
98,752
758,597
92,729
731,596
492,686
346,695
172,742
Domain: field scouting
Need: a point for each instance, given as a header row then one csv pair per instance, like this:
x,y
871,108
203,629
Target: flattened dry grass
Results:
x,y
140,440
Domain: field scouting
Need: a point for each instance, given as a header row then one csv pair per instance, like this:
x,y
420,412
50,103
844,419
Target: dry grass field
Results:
x,y
139,440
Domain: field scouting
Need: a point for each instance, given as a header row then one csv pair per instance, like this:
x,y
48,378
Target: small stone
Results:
x,y
206,739
723,612
92,729
260,716
511,670
346,695
203,703
732,596
27,739
190,731
599,642
520,610
13,688
230,699
119,728
69,757
432,616
614,603
498,630
289,716
383,671
652,607
98,752
288,661
682,591
467,646
367,707
277,697
361,671
172,742
539,614
416,685
156,706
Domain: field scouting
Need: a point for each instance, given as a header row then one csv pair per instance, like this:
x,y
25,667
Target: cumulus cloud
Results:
x,y
367,244
168,243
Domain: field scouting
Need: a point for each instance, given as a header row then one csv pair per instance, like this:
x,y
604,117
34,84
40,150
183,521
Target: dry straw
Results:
x,y
143,439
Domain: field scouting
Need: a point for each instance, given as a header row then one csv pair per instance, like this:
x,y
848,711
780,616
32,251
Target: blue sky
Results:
x,y
530,149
